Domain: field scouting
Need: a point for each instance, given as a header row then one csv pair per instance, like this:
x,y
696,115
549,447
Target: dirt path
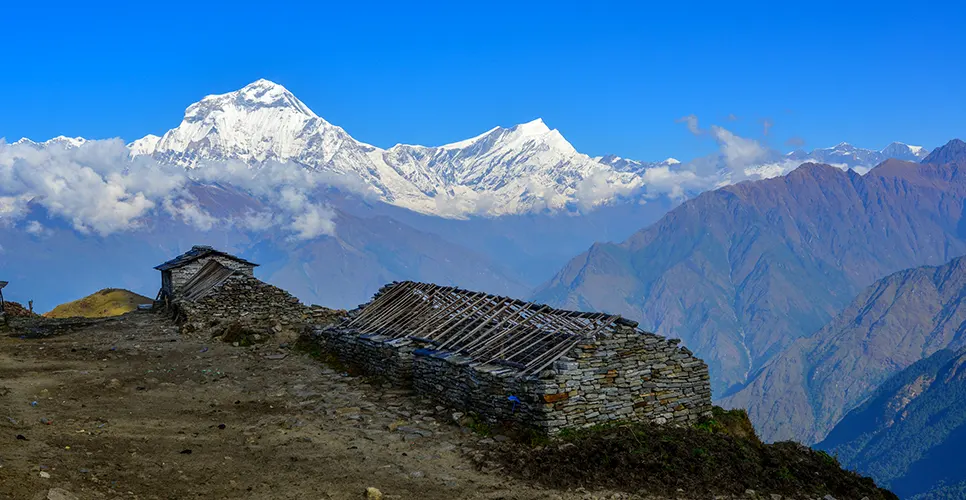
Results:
x,y
131,409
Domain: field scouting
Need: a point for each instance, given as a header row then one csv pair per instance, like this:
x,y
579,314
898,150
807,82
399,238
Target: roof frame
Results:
x,y
487,328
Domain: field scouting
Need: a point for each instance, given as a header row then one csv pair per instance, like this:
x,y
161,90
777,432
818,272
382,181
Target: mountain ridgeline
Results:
x,y
805,391
909,435
741,272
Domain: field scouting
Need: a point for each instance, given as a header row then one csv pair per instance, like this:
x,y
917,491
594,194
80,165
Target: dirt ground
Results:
x,y
130,408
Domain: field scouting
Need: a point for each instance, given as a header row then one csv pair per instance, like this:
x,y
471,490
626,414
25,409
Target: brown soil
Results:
x,y
15,309
130,408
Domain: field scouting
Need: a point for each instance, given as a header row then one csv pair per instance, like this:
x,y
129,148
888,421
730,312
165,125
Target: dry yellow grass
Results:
x,y
103,304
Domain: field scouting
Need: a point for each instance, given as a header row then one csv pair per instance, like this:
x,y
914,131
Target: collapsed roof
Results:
x,y
486,328
207,279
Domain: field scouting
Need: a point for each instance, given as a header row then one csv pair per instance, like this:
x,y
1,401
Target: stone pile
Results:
x,y
247,301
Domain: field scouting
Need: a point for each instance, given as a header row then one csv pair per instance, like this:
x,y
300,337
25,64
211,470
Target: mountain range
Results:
x,y
257,169
891,325
528,167
743,271
847,154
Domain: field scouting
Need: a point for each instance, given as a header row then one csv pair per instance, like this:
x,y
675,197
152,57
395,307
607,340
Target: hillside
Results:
x,y
893,324
741,272
103,304
911,432
718,457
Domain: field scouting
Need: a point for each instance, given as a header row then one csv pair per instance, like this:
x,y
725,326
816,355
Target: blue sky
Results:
x,y
613,77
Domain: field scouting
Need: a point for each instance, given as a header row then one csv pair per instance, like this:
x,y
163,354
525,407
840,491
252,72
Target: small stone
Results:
x,y
499,438
114,384
45,474
373,494
751,494
415,430
416,474
60,494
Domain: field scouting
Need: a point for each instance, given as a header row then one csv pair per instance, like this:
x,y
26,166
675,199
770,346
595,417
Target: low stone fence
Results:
x,y
371,354
623,375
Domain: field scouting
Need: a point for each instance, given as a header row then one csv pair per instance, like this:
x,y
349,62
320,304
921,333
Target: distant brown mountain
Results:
x,y
894,323
741,272
953,151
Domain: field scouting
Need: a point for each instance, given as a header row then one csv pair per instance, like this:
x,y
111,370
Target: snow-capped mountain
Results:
x,y
629,165
853,157
521,169
59,141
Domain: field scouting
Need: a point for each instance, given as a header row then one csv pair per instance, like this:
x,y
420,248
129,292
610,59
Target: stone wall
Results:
x,y
623,375
491,391
246,300
376,355
181,275
627,375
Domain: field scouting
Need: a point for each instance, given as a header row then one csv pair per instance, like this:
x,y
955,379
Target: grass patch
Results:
x,y
103,304
719,456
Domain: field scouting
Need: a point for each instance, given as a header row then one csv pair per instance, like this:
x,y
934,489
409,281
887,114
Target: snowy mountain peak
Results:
x,y
904,151
144,146
260,121
257,95
532,128
523,168
66,142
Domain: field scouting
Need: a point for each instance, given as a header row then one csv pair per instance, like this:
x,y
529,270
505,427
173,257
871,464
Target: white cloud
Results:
x,y
602,186
313,222
738,151
36,228
692,123
99,188
94,186
190,213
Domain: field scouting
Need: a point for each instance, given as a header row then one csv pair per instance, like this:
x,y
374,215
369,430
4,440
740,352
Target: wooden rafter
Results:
x,y
488,328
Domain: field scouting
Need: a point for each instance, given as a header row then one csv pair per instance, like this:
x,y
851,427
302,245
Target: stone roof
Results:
x,y
197,252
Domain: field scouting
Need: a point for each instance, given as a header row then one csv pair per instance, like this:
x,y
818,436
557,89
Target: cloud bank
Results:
x,y
98,188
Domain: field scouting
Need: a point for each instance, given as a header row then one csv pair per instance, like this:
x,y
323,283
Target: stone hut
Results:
x,y
207,288
509,360
176,272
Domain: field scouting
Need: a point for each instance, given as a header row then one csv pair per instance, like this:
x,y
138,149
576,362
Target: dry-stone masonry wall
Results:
x,y
247,300
622,375
372,354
